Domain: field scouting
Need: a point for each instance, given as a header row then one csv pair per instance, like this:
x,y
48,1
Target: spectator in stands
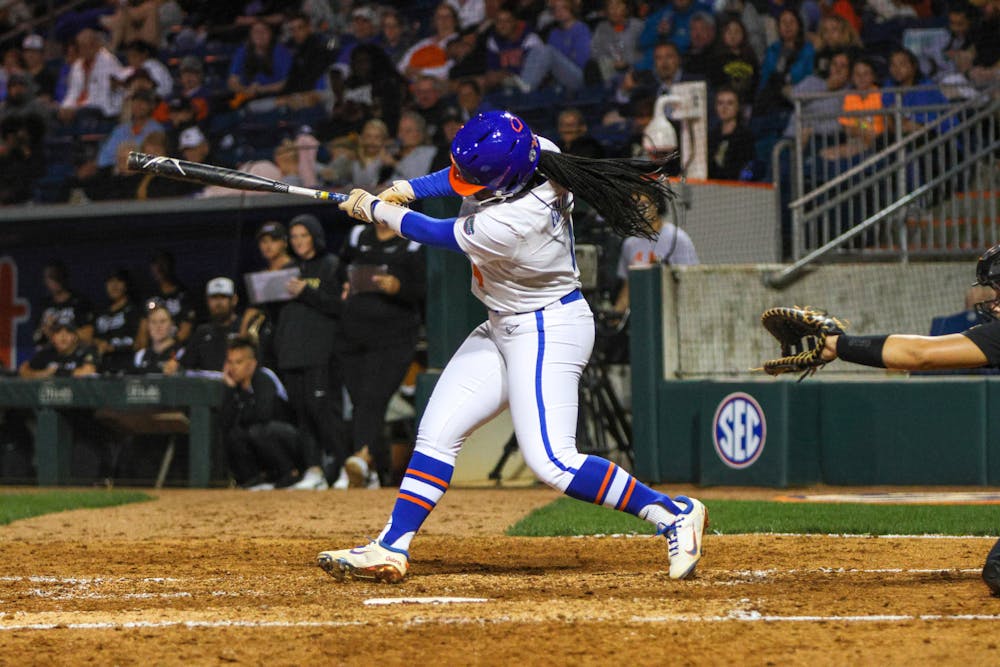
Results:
x,y
650,84
91,78
746,12
428,101
374,162
698,56
416,152
733,63
363,30
573,136
22,102
62,302
66,355
22,161
862,131
835,35
958,51
567,48
260,67
338,171
468,56
385,287
262,446
428,57
174,295
822,112
206,349
451,123
162,348
176,115
730,142
142,55
192,87
260,321
116,328
307,329
986,63
307,84
615,44
469,96
194,147
904,72
133,131
35,65
672,246
517,58
788,61
373,89
392,38
670,23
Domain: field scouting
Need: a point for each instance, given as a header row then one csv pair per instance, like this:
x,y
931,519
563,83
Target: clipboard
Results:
x,y
269,286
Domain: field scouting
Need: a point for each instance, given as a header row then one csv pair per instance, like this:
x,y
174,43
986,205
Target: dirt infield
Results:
x,y
228,577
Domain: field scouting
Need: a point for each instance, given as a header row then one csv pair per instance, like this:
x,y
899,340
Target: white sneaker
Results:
x,y
684,538
357,471
371,562
342,481
313,480
263,486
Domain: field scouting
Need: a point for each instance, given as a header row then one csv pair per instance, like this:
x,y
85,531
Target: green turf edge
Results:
x,y
570,517
15,506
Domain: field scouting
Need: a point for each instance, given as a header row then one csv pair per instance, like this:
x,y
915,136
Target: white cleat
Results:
x,y
684,538
371,562
312,480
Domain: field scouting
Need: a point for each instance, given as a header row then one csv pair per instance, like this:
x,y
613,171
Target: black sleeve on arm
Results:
x,y
265,396
987,338
326,297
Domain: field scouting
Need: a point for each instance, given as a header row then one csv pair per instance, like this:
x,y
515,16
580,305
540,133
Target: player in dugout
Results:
x,y
973,348
516,228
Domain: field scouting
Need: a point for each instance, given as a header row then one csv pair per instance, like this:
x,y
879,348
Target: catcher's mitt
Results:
x,y
802,333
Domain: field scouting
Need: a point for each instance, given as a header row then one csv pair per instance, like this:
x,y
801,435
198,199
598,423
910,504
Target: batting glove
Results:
x,y
400,193
360,205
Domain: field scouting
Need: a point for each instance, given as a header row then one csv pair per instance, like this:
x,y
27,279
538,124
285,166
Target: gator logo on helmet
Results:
x,y
467,225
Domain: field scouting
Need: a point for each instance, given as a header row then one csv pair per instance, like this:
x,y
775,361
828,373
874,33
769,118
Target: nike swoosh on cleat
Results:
x,y
694,539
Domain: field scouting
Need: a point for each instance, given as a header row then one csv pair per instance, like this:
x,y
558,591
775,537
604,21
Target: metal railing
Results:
x,y
924,182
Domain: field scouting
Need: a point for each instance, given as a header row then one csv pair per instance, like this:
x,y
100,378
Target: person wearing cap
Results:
x,y
261,320
206,349
363,29
307,328
33,53
116,328
64,356
193,145
141,124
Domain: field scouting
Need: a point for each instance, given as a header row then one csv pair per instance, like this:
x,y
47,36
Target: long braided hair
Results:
x,y
626,192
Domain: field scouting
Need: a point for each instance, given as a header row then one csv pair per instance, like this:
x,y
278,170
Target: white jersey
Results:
x,y
522,250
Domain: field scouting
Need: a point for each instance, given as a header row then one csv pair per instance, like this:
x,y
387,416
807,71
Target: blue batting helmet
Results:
x,y
494,150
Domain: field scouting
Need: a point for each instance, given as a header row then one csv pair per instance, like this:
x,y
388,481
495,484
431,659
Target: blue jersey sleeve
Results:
x,y
429,231
432,185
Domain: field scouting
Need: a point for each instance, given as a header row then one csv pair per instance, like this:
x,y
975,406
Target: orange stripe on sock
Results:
x,y
604,485
628,494
429,478
413,499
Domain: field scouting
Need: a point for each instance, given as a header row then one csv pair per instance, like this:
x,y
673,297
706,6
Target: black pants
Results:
x,y
269,447
315,397
372,374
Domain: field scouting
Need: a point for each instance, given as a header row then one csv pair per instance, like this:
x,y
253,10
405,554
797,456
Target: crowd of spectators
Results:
x,y
357,93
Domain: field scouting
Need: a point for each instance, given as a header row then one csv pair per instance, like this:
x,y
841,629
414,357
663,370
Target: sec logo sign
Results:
x,y
739,430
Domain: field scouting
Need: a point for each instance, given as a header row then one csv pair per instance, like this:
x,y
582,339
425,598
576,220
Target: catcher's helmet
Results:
x,y
494,150
988,275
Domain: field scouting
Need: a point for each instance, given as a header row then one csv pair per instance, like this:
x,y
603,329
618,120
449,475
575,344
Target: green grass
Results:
x,y
14,506
570,517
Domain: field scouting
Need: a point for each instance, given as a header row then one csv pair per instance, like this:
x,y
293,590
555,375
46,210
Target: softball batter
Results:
x,y
516,228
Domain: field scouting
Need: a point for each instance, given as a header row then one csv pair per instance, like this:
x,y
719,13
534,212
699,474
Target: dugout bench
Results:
x,y
125,397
